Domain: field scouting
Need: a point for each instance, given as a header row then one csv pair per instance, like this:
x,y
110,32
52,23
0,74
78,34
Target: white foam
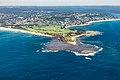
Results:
x,y
76,53
90,54
50,50
37,50
96,46
88,58
79,54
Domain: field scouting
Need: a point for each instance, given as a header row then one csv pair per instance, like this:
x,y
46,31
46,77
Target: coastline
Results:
x,y
84,51
41,34
24,31
87,34
91,22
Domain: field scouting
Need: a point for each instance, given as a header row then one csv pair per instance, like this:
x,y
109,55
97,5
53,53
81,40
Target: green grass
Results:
x,y
49,29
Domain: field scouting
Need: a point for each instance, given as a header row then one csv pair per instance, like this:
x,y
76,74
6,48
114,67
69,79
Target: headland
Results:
x,y
63,39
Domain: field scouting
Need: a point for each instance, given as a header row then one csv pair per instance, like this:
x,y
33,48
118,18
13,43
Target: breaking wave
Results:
x,y
50,50
76,53
90,54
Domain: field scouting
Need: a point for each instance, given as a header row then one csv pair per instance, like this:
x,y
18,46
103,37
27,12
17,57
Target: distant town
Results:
x,y
32,17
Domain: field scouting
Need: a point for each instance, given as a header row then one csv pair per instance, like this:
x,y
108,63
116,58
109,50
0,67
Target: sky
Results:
x,y
57,2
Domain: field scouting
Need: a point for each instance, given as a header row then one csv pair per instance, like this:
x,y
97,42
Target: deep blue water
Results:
x,y
19,59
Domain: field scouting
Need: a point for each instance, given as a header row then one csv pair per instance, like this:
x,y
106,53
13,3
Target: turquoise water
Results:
x,y
21,57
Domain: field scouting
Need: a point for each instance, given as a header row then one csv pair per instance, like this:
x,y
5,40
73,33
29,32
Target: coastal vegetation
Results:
x,y
57,25
61,33
65,35
49,29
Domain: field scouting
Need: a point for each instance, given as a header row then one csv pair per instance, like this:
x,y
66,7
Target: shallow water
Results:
x,y
21,57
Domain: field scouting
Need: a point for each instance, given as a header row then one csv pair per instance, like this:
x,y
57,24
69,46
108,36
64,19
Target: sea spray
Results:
x,y
90,54
50,50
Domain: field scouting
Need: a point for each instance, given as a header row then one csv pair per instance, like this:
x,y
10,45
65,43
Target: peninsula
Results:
x,y
55,24
64,38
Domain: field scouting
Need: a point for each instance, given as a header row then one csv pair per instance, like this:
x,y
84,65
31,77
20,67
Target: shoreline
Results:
x,y
24,31
85,52
91,22
87,34
86,55
41,34
81,49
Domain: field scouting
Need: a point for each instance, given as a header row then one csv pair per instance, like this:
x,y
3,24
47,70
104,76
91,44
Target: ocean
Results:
x,y
21,57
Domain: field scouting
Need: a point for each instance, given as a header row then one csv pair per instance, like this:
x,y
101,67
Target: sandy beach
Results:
x,y
84,48
87,34
24,31
91,22
40,34
102,21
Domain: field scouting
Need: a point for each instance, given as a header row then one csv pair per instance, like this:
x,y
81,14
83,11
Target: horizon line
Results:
x,y
63,5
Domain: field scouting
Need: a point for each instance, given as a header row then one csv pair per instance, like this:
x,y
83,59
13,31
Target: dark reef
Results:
x,y
79,47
